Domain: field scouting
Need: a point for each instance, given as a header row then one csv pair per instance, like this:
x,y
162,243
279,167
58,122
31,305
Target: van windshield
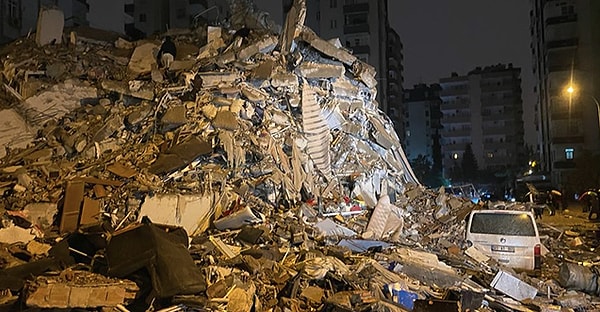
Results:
x,y
502,224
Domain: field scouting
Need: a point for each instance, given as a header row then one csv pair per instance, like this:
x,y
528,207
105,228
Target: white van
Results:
x,y
510,237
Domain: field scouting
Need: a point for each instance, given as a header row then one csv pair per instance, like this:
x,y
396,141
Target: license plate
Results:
x,y
503,248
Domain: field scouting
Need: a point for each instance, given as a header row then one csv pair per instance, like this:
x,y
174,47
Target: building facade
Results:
x,y
565,48
395,83
422,122
362,26
483,109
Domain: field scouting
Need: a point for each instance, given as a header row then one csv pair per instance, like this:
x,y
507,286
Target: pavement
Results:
x,y
571,217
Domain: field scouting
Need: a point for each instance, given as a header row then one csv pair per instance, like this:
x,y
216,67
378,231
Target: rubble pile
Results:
x,y
256,172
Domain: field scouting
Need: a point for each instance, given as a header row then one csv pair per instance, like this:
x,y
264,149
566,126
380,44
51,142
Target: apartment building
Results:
x,y
395,83
565,48
484,109
422,122
362,26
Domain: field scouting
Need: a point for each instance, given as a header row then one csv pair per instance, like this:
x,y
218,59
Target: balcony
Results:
x,y
554,44
494,146
454,105
355,8
492,87
456,133
564,164
497,116
454,147
566,115
466,118
358,28
561,19
495,130
454,91
568,139
498,161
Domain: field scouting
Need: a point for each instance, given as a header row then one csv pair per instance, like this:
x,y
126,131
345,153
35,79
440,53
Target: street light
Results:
x,y
571,91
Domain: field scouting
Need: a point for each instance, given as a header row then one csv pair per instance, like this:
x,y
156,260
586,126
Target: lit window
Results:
x,y
455,156
490,155
569,153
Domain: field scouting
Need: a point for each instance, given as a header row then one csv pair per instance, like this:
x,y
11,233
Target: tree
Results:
x,y
469,164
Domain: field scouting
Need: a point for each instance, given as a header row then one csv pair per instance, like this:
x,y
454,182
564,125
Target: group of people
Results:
x,y
555,202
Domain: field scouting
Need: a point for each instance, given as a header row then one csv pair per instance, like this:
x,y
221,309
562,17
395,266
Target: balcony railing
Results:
x,y
561,19
553,44
454,91
456,119
352,29
358,7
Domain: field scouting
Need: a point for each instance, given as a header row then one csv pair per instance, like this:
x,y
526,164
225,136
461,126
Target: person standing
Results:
x,y
594,206
167,53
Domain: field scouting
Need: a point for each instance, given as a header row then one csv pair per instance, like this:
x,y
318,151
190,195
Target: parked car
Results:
x,y
510,237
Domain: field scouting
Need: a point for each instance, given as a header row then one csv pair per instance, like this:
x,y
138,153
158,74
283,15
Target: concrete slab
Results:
x,y
14,132
51,23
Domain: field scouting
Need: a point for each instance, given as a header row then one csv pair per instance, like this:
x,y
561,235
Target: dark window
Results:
x,y
129,8
333,3
143,18
181,13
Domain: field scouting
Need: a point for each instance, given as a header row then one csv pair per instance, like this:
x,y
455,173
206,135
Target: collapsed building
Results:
x,y
255,173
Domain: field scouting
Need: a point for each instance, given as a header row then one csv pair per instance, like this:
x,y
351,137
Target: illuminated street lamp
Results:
x,y
571,91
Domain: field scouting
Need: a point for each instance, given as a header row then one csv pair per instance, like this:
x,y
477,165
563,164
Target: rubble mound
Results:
x,y
255,172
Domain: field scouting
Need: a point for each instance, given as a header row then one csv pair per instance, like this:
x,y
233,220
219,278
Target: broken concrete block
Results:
x,y
264,70
142,59
15,131
50,26
116,86
69,219
329,49
240,218
226,120
365,72
293,23
313,293
41,214
53,103
313,70
174,117
214,79
78,289
329,228
124,44
180,155
14,234
90,211
122,170
285,80
512,286
265,45
192,212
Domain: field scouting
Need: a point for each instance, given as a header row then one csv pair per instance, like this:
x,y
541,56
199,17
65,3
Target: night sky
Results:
x,y
441,37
